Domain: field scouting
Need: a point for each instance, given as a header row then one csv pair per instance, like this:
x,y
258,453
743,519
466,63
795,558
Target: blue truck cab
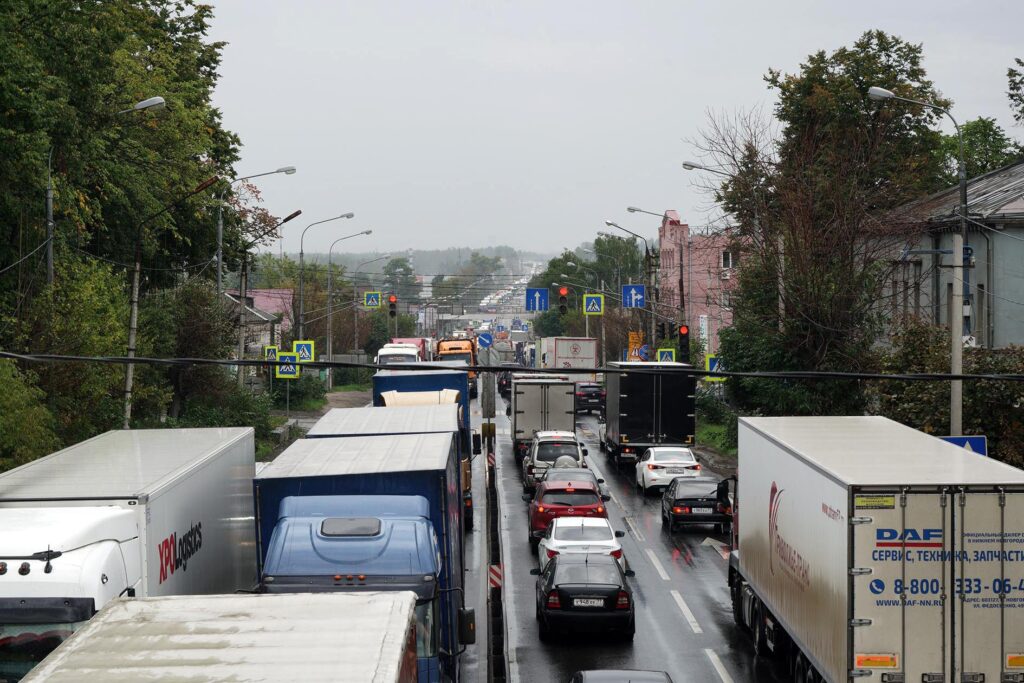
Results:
x,y
371,513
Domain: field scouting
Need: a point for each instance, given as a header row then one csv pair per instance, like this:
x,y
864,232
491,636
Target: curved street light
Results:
x,y
302,266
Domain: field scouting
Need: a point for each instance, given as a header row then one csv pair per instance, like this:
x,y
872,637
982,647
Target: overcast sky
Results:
x,y
444,123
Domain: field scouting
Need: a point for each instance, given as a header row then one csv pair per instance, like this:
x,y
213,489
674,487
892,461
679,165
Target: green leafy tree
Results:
x,y
382,328
1015,92
400,279
26,425
987,147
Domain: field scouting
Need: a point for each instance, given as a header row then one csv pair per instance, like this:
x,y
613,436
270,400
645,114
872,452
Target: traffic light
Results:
x,y
661,331
392,305
563,300
684,344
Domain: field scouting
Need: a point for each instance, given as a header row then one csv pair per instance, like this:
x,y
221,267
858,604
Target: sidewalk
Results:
x,y
720,463
305,419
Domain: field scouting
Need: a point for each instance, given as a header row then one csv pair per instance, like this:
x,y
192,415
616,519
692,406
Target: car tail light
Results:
x,y
603,394
617,554
654,467
697,466
621,603
681,510
540,508
724,509
553,601
579,394
551,553
600,509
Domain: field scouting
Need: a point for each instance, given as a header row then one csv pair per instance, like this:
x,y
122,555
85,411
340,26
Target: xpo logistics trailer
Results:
x,y
338,638
136,512
371,513
870,551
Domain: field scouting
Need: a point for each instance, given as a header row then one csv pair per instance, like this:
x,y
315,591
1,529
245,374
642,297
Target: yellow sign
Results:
x,y
866,502
636,340
304,350
270,352
289,366
711,364
593,304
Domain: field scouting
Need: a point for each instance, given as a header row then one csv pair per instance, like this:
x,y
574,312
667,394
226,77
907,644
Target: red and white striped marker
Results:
x,y
490,460
494,575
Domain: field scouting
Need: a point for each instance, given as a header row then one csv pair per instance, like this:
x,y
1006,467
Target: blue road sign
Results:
x,y
633,296
304,350
484,339
289,368
644,352
713,364
536,299
499,328
666,355
526,327
976,444
371,299
593,304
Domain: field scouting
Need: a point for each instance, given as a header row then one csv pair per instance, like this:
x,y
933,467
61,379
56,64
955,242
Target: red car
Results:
x,y
562,499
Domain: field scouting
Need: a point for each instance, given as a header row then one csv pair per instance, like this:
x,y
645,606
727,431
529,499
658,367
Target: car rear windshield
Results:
x,y
570,498
673,456
583,533
588,573
696,490
570,474
552,451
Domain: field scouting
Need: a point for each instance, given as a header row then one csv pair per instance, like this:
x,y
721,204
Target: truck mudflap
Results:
x,y
938,585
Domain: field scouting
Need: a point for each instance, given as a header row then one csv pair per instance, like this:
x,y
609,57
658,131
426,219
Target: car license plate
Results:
x,y
702,511
588,602
678,470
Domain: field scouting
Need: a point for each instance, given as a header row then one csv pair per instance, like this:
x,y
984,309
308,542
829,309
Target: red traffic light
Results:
x,y
684,330
563,291
392,299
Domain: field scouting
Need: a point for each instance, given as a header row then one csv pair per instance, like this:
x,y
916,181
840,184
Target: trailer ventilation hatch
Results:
x,y
350,526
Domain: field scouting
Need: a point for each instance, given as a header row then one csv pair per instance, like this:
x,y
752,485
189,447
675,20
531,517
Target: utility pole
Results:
x,y
49,218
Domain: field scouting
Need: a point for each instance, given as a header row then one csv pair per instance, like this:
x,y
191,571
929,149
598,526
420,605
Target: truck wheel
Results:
x,y
800,669
737,602
757,628
469,522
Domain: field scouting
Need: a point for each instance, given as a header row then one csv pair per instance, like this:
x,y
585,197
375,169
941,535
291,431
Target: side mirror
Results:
x,y
586,452
508,410
476,444
467,626
630,573
527,497
620,534
605,497
600,481
534,572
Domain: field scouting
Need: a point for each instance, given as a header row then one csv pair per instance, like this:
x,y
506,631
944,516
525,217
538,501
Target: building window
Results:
x,y
727,260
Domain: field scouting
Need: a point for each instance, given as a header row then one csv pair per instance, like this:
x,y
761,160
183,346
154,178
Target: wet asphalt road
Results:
x,y
683,615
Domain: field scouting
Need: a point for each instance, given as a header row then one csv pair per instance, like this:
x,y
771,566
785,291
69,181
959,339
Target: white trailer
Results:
x,y
310,637
563,353
868,550
540,403
127,513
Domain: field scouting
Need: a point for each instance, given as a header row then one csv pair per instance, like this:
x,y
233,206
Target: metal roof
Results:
x,y
118,464
997,195
876,451
312,637
361,455
421,419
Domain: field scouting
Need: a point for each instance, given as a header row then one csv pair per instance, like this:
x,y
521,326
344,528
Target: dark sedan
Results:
x,y
697,500
584,593
590,397
505,379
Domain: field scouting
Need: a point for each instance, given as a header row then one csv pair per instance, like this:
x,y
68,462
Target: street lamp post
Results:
x,y
302,270
330,308
960,294
133,315
355,311
287,170
143,105
243,282
649,267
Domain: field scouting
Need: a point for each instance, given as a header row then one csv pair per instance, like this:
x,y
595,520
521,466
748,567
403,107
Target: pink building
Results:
x,y
701,266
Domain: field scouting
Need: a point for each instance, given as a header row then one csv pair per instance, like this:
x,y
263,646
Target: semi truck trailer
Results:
x,y
334,638
127,513
866,550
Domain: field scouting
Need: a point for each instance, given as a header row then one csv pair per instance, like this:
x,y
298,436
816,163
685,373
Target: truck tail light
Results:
x,y
622,602
551,553
540,508
617,554
469,502
553,601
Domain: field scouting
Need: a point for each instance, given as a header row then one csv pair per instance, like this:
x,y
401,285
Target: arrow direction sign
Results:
x,y
593,304
975,444
536,299
633,296
644,352
484,339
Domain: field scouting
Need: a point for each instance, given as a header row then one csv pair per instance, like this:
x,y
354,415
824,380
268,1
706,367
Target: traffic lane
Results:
x,y
474,660
664,638
694,560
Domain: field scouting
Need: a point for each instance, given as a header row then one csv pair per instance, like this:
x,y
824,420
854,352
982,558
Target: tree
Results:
x,y
401,279
987,147
382,328
813,202
1015,92
26,426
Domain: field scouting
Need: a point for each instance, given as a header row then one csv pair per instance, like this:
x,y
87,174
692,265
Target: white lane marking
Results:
x,y
600,475
657,565
719,667
687,614
636,530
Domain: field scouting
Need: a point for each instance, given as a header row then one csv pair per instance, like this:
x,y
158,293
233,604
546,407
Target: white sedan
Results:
x,y
658,466
594,535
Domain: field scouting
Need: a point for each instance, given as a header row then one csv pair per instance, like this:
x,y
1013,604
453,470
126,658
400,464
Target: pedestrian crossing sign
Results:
x,y
289,366
371,299
593,304
270,352
666,355
713,364
304,350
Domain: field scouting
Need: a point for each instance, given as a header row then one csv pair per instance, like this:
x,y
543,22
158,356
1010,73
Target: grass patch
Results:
x,y
353,387
307,405
713,436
